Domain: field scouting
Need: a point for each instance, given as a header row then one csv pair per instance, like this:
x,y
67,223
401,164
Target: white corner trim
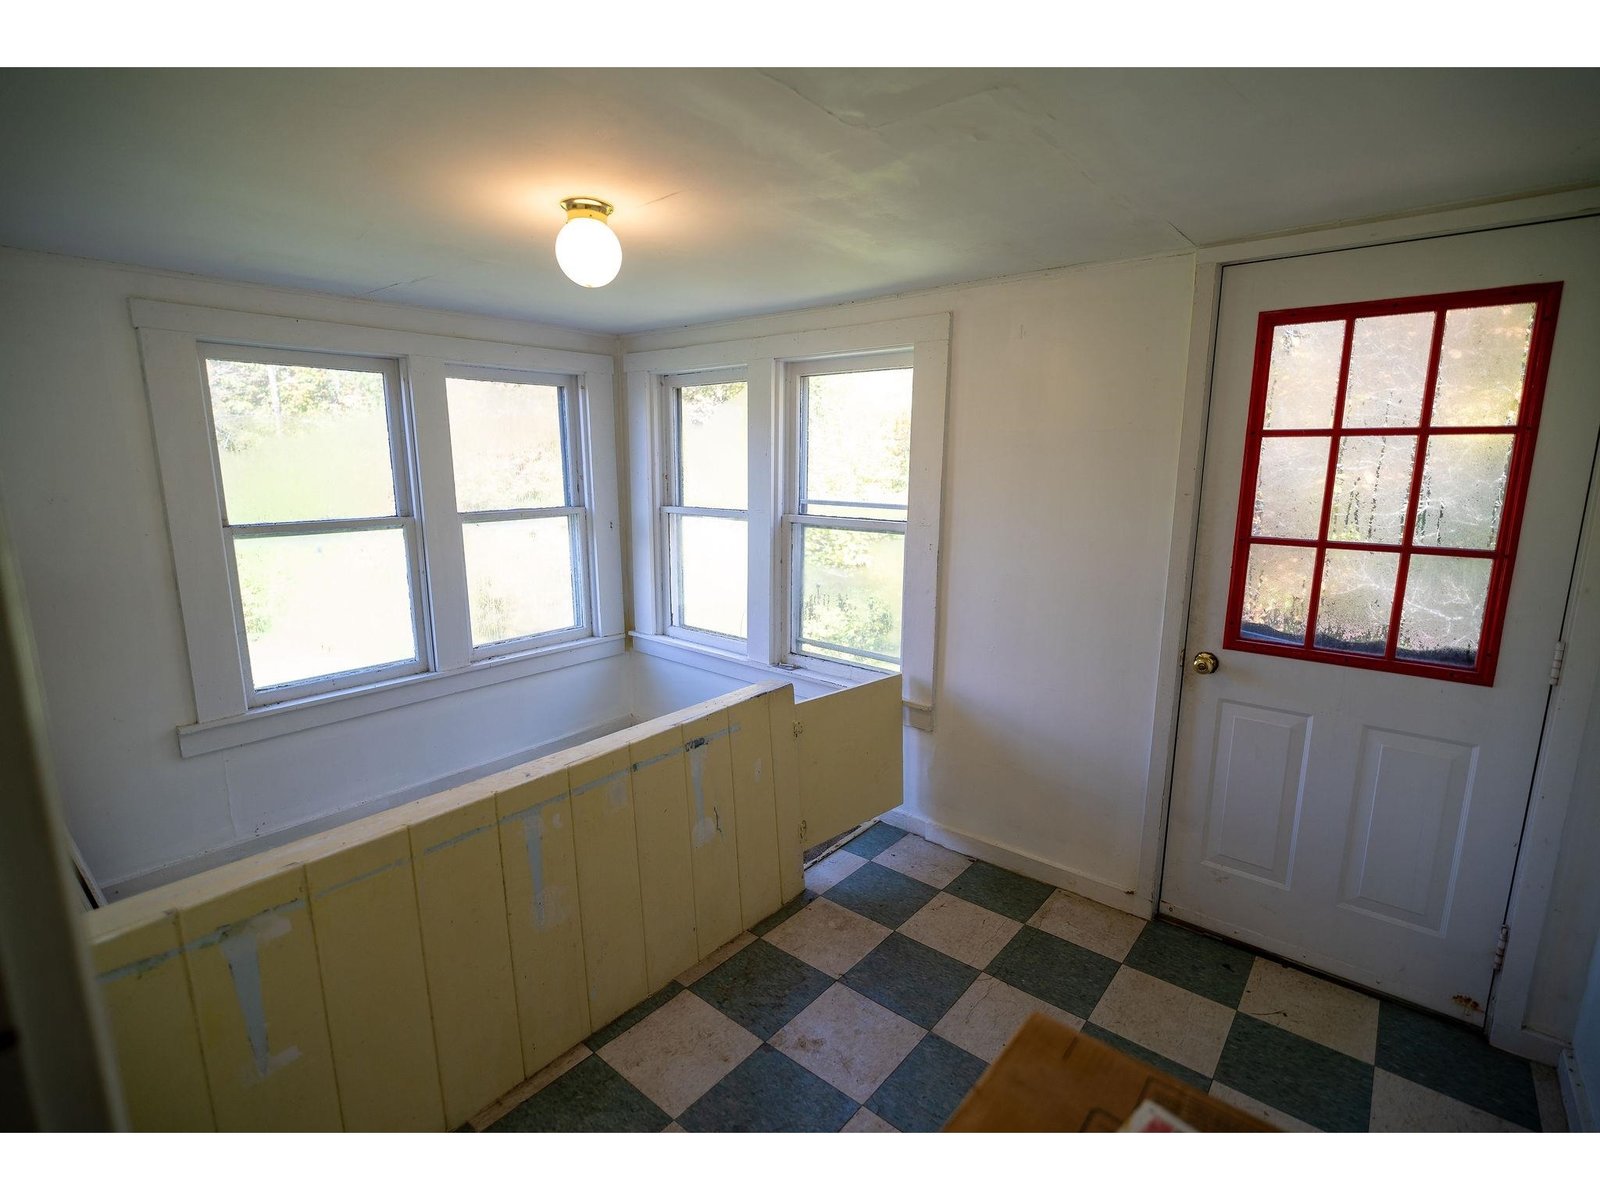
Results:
x,y
297,715
1090,887
1581,1115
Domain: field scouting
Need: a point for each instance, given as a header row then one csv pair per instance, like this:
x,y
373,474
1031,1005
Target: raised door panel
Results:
x,y
1258,783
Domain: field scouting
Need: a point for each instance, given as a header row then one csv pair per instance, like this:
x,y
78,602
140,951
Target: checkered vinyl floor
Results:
x,y
874,1001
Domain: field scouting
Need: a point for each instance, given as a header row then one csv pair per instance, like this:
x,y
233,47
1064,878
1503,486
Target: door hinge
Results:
x,y
798,729
1556,663
1500,947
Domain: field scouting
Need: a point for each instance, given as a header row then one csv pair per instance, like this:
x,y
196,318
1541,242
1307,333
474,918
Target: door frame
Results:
x,y
1557,762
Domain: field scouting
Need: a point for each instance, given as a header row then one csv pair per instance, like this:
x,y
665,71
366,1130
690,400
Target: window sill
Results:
x,y
735,666
293,716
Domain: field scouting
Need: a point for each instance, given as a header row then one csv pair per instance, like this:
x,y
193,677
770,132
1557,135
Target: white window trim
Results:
x,y
764,359
170,337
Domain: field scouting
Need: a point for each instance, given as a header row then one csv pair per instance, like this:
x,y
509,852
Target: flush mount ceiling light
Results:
x,y
586,248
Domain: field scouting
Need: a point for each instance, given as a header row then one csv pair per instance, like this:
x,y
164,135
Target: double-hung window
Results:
x,y
520,499
846,527
706,513
323,549
787,502
363,518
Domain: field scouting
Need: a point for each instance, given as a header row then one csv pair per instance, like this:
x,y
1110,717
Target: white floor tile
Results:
x,y
1315,1008
679,1052
1547,1089
965,931
1092,926
848,1040
1400,1106
989,1012
933,865
831,870
867,1122
829,937
1163,1017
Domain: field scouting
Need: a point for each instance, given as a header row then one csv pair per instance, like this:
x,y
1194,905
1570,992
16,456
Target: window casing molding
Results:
x,y
764,362
172,338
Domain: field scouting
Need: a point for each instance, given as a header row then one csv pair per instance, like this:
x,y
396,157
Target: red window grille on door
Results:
x,y
1386,465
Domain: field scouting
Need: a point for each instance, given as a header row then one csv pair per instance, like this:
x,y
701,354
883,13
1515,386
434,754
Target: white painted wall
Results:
x,y
1061,464
79,483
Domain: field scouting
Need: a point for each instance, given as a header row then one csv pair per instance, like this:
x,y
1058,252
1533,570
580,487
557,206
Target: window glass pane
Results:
x,y
1289,486
1481,365
1277,587
1356,598
300,443
713,446
710,575
324,603
1304,377
519,577
1463,490
505,440
1441,618
850,585
1388,368
858,439
1371,489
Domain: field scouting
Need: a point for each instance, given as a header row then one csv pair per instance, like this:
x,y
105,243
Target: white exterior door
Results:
x,y
1349,787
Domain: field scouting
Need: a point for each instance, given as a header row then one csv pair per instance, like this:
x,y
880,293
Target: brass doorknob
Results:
x,y
1205,663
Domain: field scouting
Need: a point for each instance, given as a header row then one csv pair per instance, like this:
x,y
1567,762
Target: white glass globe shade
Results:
x,y
588,251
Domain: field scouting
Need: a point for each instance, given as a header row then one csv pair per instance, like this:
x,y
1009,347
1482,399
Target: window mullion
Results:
x,y
445,575
764,624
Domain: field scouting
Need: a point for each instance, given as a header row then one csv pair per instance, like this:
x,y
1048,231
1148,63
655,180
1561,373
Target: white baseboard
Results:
x,y
234,851
1581,1115
1020,861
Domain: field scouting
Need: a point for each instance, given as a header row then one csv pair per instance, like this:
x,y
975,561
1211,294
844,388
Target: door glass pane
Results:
x,y
1388,368
300,443
850,585
710,574
520,577
713,447
1355,601
506,443
1289,485
324,603
857,438
1441,618
1277,587
1304,377
1463,496
1482,364
1371,489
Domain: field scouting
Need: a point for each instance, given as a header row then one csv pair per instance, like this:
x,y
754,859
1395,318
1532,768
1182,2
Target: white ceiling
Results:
x,y
745,191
